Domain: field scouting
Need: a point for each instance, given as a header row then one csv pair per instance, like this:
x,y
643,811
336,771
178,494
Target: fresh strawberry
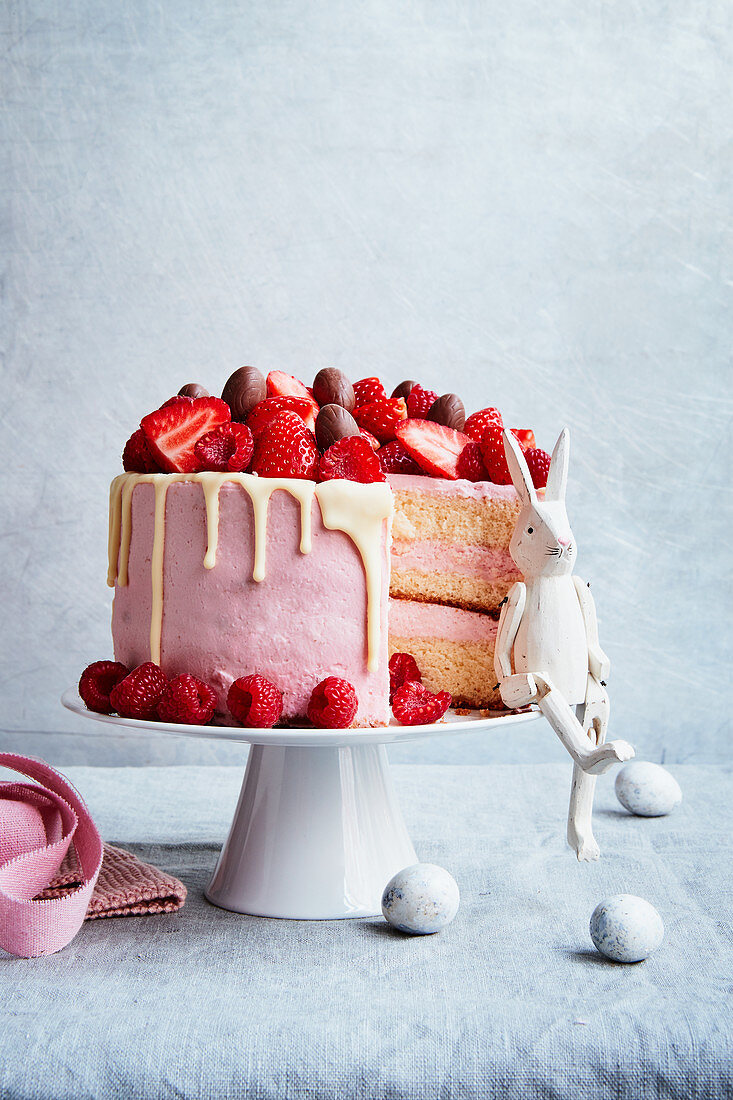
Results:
x,y
255,702
494,455
264,413
414,705
434,447
333,704
188,700
367,390
420,402
97,681
138,695
539,466
172,432
280,384
525,436
371,440
136,457
178,399
471,464
381,417
394,459
402,667
286,448
479,421
351,458
227,449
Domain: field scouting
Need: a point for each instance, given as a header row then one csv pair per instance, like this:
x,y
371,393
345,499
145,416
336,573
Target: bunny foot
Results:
x,y
605,756
586,848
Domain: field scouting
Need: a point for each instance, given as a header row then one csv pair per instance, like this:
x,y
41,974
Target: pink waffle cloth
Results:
x,y
55,872
126,887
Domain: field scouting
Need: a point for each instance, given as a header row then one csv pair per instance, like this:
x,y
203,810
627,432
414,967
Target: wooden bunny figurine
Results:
x,y
547,649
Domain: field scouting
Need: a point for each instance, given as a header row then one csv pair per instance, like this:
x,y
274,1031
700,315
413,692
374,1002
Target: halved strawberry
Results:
x,y
478,422
367,390
172,432
435,448
525,436
380,417
286,448
280,384
264,413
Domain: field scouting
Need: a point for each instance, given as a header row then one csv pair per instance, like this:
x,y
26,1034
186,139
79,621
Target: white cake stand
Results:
x,y
317,833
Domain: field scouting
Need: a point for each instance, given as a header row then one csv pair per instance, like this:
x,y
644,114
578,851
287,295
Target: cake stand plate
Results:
x,y
317,832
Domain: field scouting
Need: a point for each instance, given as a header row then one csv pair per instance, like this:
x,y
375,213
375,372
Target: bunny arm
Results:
x,y
599,664
517,690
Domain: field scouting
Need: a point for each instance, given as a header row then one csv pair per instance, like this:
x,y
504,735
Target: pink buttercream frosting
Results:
x,y
305,621
427,556
443,487
414,619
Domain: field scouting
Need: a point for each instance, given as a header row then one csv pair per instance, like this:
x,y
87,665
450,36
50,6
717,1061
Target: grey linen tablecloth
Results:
x,y
510,1001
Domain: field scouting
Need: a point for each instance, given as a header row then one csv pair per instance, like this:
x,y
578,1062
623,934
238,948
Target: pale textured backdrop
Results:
x,y
529,204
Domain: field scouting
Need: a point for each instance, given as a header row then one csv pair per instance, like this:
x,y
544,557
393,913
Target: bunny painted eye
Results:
x,y
530,530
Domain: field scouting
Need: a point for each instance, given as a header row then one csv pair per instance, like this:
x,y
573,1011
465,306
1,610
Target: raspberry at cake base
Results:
x,y
251,539
219,573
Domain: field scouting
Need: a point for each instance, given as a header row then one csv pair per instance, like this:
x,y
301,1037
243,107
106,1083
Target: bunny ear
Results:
x,y
557,478
518,468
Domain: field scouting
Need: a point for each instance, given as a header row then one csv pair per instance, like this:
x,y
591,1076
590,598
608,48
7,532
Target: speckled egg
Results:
x,y
626,928
421,899
646,789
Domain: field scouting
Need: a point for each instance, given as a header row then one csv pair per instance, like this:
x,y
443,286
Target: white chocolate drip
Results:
x,y
359,511
361,516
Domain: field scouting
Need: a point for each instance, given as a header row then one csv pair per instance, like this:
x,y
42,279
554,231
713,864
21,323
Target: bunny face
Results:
x,y
542,544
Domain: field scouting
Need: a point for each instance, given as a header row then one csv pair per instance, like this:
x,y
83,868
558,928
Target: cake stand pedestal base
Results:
x,y
317,834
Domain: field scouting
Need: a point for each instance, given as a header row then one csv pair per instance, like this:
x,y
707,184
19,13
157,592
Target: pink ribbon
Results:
x,y
38,822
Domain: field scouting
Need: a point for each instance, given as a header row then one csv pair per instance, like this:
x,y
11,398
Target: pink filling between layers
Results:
x,y
413,619
442,557
437,486
305,621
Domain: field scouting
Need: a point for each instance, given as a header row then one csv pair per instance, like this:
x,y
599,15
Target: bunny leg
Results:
x,y
591,758
580,811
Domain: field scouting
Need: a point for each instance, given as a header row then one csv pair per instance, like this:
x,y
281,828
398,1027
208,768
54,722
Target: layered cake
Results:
x,y
279,544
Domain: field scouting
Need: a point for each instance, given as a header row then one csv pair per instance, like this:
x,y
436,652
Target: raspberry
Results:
x,y
286,448
470,463
97,681
394,459
478,422
420,402
138,695
414,705
227,449
402,667
136,457
381,417
367,390
525,436
186,699
539,466
255,702
494,456
351,458
333,704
